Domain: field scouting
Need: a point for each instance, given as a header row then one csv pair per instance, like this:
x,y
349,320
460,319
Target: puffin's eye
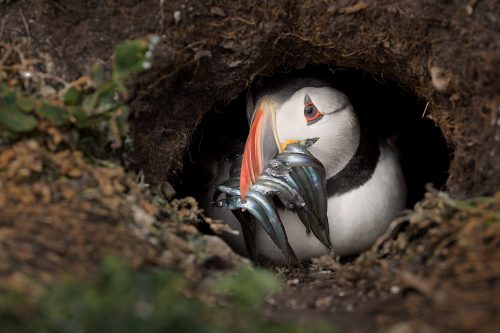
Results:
x,y
311,112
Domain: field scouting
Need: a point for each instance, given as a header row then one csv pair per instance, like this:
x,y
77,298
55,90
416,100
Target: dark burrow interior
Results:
x,y
389,110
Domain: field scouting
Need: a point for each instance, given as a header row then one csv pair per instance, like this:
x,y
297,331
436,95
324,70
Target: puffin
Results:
x,y
365,184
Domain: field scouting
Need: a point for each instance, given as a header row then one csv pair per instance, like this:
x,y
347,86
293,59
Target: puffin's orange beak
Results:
x,y
262,145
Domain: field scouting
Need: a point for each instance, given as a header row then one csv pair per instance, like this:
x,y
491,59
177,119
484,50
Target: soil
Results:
x,y
447,54
438,273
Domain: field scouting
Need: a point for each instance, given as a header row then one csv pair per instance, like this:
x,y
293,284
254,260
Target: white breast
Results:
x,y
357,218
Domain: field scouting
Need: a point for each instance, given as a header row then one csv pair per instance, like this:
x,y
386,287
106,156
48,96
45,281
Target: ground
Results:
x,y
437,270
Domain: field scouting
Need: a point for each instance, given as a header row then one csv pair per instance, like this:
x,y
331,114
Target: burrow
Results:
x,y
438,93
389,110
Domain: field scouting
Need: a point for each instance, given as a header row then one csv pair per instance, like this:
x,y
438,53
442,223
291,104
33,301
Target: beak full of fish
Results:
x,y
297,180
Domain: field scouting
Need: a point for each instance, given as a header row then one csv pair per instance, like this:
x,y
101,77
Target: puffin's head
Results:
x,y
322,112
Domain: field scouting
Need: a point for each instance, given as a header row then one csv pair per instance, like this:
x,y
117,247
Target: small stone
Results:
x,y
293,304
32,145
403,327
440,78
216,247
395,289
177,16
142,218
74,173
270,300
217,11
26,74
324,302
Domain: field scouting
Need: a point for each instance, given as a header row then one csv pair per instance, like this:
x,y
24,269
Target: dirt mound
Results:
x,y
447,54
439,274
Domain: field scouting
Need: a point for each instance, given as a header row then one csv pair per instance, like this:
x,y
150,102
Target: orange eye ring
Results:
x,y
311,112
317,116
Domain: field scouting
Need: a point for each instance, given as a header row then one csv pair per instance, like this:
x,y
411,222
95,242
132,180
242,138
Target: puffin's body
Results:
x,y
365,184
356,217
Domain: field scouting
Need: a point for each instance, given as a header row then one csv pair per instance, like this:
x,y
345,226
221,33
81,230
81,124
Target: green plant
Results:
x,y
119,299
93,116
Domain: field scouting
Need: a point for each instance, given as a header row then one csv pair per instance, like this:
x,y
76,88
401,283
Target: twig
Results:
x,y
26,26
469,7
8,50
240,19
391,231
425,109
424,286
2,28
52,77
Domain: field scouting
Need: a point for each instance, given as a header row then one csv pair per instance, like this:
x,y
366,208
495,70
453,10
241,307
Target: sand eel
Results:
x,y
364,182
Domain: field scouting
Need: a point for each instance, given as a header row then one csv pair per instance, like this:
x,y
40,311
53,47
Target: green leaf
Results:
x,y
16,120
7,95
82,120
25,103
8,136
122,119
107,99
89,102
72,96
249,287
98,74
130,57
55,114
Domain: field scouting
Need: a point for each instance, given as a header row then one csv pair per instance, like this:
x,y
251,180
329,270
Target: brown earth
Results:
x,y
447,54
440,274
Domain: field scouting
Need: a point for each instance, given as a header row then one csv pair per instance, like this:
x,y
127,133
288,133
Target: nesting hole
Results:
x,y
389,110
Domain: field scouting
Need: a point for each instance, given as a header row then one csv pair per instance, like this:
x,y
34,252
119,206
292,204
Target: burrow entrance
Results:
x,y
391,111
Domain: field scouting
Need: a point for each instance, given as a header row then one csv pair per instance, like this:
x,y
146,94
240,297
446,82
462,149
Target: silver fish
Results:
x,y
254,207
310,176
297,179
285,192
299,159
227,187
275,220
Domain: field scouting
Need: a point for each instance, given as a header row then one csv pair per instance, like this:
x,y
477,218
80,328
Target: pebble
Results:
x,y
177,16
440,78
395,289
324,302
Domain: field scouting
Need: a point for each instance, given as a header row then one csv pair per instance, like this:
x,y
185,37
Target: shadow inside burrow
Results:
x,y
390,111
